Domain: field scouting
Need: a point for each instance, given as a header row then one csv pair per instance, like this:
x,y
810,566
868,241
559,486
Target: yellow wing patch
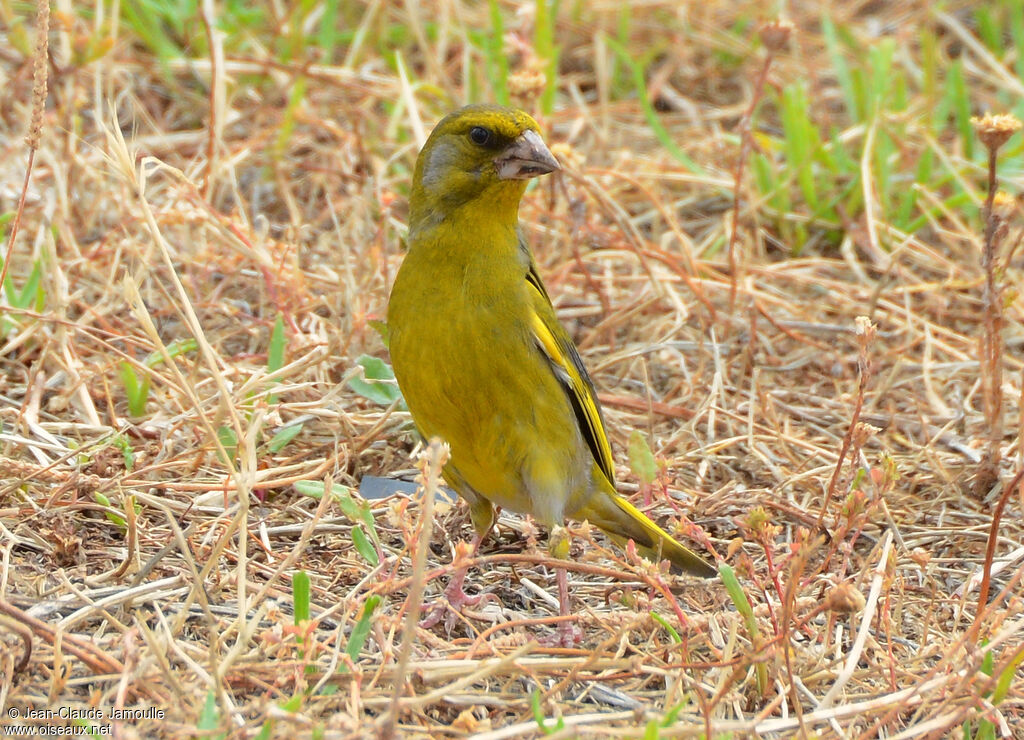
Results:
x,y
568,368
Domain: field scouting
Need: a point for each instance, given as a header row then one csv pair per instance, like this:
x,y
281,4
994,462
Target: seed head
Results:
x,y
527,84
844,599
995,130
775,35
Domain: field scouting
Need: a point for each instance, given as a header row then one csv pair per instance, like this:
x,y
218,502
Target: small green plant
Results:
x,y
103,500
137,386
228,449
538,715
364,533
31,296
136,389
377,383
650,114
492,45
667,627
127,451
742,604
361,631
546,49
986,729
275,351
300,599
209,718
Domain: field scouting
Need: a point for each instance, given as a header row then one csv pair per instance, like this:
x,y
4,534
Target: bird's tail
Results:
x,y
623,521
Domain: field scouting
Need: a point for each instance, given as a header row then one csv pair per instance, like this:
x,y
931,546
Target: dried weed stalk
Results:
x,y
865,337
994,131
432,463
40,60
775,37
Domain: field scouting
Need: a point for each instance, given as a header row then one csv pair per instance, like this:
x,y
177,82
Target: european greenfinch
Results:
x,y
483,361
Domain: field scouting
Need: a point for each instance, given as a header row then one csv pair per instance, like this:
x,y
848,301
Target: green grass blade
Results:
x,y
156,27
544,46
300,598
960,104
1016,12
275,353
987,30
497,62
32,294
640,85
135,390
1006,678
538,715
175,349
739,600
282,437
361,631
801,140
209,718
840,68
278,341
667,627
327,34
229,443
880,64
363,546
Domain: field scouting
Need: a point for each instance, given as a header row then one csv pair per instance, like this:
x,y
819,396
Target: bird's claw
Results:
x,y
567,635
451,604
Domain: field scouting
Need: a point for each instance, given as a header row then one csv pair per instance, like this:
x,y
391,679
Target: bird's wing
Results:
x,y
567,366
606,509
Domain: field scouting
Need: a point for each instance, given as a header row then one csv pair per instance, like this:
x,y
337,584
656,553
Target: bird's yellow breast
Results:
x,y
472,374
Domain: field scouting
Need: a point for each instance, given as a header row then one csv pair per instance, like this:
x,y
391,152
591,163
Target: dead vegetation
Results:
x,y
204,256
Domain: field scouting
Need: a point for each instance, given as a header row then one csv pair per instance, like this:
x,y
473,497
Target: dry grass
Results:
x,y
148,560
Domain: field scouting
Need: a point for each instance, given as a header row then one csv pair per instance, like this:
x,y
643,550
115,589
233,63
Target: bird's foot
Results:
x,y
567,635
451,604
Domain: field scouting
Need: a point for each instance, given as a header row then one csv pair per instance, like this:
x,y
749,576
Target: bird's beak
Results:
x,y
527,156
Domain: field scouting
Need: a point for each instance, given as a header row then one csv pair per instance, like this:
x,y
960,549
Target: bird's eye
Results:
x,y
480,135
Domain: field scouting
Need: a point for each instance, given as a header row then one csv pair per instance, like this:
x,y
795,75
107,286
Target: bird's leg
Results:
x,y
568,634
455,597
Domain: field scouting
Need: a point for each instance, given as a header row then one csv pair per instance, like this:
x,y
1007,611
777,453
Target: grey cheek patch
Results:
x,y
439,160
436,163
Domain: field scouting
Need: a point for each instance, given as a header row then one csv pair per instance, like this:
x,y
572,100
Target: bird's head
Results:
x,y
479,153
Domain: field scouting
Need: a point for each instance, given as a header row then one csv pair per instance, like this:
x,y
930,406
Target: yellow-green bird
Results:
x,y
481,358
